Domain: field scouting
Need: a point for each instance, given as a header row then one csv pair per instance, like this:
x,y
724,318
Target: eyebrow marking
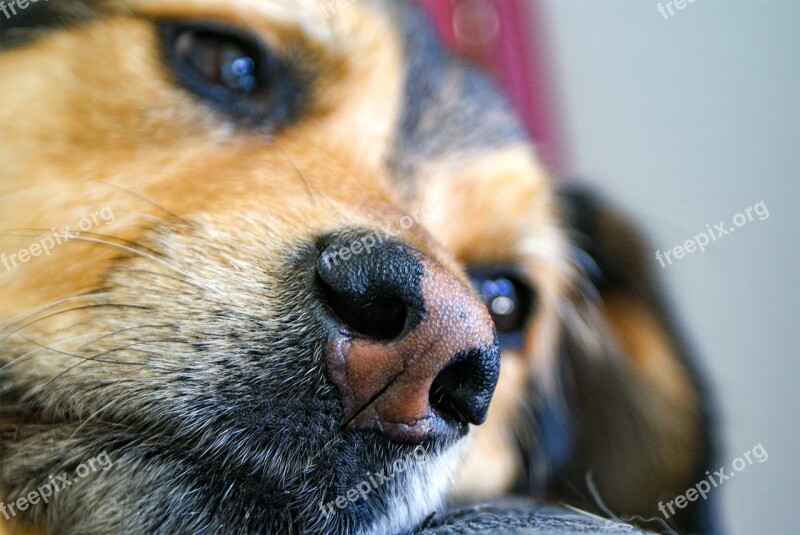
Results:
x,y
447,106
20,24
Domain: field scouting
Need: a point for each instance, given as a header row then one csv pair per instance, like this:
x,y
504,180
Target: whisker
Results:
x,y
104,353
37,310
122,331
20,232
75,309
145,199
310,189
85,359
73,327
90,418
181,280
72,237
300,175
40,348
601,504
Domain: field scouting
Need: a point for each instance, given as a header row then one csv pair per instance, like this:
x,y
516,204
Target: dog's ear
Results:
x,y
638,408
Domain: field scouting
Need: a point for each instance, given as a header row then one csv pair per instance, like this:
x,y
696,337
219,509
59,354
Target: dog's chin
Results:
x,y
415,496
395,496
374,486
333,480
326,480
361,483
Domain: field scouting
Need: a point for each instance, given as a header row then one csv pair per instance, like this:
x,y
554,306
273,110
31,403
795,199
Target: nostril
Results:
x,y
376,293
445,398
381,318
416,354
462,391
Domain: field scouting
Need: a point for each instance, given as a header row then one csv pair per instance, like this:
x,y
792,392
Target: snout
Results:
x,y
414,352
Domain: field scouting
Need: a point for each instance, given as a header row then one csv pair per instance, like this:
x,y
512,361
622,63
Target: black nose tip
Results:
x,y
463,390
376,292
416,352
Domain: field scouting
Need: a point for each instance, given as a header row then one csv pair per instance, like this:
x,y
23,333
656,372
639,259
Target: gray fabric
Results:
x,y
519,517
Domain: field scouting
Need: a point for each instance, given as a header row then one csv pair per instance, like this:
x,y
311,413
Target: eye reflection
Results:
x,y
502,306
509,300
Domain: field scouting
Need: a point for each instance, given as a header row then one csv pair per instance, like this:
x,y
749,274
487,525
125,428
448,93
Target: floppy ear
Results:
x,y
637,406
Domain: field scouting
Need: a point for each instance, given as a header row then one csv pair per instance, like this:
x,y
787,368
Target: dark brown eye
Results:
x,y
221,61
232,70
509,300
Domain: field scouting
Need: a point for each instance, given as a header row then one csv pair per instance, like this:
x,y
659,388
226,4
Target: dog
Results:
x,y
286,266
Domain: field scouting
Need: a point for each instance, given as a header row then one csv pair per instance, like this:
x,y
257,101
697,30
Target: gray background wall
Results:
x,y
685,122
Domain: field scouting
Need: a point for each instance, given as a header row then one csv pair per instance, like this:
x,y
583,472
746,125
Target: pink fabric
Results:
x,y
501,36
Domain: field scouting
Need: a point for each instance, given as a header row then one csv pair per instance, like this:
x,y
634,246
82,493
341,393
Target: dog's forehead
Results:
x,y
394,98
445,105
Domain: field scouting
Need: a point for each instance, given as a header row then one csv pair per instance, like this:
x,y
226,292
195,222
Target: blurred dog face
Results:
x,y
271,302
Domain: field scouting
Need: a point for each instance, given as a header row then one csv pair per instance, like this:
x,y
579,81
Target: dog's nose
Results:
x,y
415,352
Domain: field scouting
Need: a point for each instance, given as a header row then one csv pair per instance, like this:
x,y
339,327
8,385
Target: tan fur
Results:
x,y
125,127
171,142
98,122
655,364
645,342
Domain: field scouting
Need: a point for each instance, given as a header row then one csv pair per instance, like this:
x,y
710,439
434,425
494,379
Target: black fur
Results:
x,y
43,16
448,107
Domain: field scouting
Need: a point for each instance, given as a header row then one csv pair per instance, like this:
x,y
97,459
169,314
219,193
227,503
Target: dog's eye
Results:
x,y
509,300
220,60
232,70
